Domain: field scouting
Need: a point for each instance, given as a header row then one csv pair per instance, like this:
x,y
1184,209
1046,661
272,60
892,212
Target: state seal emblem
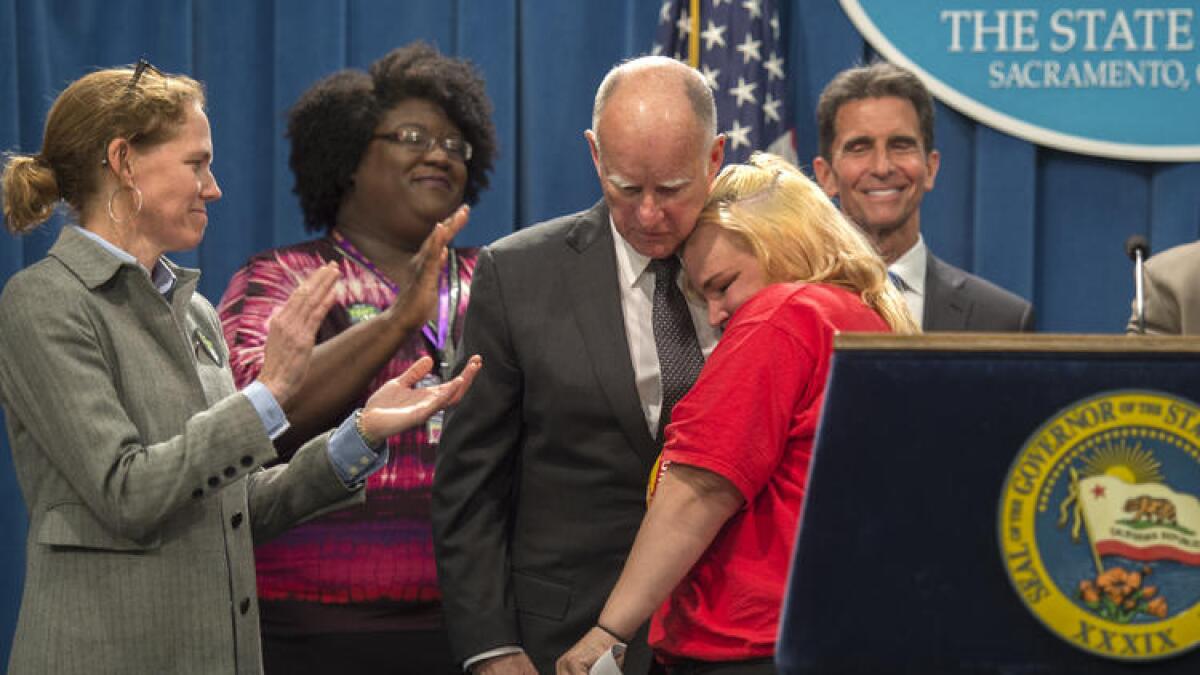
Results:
x,y
1099,525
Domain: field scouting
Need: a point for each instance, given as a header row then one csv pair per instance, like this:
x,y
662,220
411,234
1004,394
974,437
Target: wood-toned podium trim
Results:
x,y
1018,342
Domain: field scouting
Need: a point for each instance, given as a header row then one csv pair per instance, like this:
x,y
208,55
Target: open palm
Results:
x,y
398,405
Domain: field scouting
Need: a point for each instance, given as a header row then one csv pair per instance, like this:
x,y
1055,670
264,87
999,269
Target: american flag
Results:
x,y
736,45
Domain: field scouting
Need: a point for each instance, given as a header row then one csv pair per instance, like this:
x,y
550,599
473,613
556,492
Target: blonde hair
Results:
x,y
795,232
84,119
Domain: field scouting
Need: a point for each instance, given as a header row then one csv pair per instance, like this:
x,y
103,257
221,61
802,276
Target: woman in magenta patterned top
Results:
x,y
379,158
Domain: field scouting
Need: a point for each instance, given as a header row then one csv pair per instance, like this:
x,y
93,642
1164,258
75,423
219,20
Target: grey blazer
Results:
x,y
1172,292
541,476
140,466
956,300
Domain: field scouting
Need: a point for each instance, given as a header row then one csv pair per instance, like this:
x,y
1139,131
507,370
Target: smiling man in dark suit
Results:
x,y
875,128
541,475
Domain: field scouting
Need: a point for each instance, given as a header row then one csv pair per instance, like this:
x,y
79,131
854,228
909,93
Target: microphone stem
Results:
x,y
1139,291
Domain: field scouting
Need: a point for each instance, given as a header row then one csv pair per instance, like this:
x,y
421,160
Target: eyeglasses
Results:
x,y
418,140
142,66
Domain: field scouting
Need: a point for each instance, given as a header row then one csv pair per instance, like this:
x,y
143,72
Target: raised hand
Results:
x,y
292,331
397,405
418,303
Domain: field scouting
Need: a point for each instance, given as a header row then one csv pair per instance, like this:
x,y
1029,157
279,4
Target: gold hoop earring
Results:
x,y
133,189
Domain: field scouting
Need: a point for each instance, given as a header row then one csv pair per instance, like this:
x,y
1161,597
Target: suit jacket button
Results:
x,y
245,606
236,520
247,460
213,481
197,493
230,472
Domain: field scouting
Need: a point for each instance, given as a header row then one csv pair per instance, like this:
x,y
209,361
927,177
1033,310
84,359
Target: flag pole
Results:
x,y
694,35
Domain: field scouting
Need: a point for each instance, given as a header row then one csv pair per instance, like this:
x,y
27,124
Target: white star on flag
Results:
x,y
664,12
774,67
738,135
771,108
749,49
733,39
714,35
684,24
744,92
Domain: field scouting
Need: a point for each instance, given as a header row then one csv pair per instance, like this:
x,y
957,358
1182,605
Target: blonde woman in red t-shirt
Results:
x,y
782,272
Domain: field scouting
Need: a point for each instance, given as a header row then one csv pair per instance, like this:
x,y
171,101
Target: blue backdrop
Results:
x,y
1045,224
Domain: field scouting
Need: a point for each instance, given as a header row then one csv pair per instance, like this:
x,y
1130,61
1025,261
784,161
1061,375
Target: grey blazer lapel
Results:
x,y
590,277
96,268
947,307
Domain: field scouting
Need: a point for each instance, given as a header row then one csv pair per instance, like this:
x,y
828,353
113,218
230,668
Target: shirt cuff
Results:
x,y
273,419
352,459
491,654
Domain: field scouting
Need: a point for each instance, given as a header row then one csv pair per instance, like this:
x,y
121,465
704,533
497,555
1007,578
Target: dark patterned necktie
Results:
x,y
679,355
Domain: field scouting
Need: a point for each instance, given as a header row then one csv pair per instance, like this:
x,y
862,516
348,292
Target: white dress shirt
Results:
x,y
910,268
637,306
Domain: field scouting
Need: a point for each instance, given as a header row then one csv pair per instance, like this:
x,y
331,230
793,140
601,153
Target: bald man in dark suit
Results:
x,y
541,477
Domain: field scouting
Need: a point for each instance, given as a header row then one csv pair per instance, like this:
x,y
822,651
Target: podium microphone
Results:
x,y
1137,248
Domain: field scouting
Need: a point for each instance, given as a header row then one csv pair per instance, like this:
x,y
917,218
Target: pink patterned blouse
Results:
x,y
380,554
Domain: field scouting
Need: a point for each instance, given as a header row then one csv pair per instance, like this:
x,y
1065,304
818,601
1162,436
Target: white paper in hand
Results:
x,y
607,665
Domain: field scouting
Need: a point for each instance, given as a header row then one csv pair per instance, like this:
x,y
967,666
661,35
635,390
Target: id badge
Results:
x,y
433,426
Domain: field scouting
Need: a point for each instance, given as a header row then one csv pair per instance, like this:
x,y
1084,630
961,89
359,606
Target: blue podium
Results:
x,y
1001,504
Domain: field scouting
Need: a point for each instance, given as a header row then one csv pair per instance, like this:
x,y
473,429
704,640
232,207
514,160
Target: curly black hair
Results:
x,y
332,123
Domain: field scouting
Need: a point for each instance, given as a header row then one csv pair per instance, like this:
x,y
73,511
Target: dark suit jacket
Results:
x,y
541,476
956,300
1172,292
141,468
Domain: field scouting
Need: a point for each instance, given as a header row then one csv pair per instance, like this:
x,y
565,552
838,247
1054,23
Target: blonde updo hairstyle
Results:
x,y
84,119
771,209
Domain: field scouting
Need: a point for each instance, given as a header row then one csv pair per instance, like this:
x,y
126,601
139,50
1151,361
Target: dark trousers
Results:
x,y
422,652
765,666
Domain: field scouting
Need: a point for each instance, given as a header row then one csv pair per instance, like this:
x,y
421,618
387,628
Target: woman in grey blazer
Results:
x,y
140,463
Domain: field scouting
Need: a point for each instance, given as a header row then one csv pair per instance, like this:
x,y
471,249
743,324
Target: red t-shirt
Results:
x,y
751,418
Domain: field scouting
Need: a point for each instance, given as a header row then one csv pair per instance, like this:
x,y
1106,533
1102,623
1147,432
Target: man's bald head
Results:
x,y
657,123
659,84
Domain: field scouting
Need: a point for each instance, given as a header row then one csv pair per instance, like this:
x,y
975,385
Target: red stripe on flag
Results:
x,y
1147,553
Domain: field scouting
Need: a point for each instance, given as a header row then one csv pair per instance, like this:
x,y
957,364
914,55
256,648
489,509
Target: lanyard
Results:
x,y
437,331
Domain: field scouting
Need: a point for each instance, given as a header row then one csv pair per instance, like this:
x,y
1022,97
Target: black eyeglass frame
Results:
x,y
396,136
138,69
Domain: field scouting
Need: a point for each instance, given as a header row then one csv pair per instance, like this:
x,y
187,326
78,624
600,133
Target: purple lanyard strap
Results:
x,y
437,332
